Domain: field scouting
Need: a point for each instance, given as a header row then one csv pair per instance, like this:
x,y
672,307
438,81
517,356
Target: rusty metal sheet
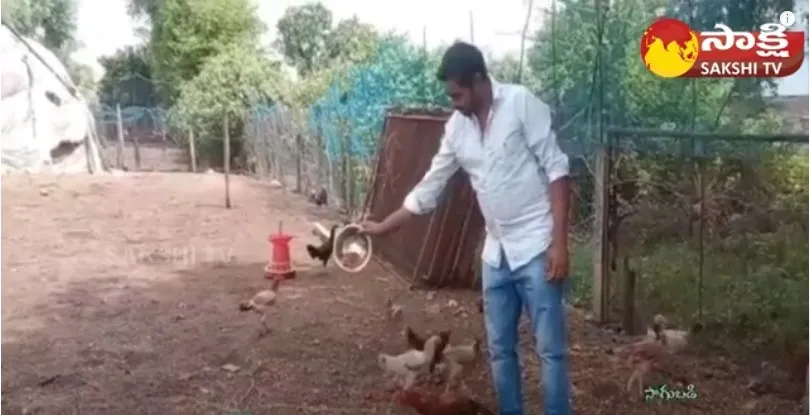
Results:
x,y
439,248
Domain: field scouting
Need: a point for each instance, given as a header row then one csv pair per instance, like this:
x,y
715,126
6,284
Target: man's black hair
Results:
x,y
461,63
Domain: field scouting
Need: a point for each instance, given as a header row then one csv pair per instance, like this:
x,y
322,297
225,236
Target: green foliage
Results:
x,y
507,69
127,79
55,18
187,32
306,91
352,41
143,8
303,36
311,45
229,83
567,68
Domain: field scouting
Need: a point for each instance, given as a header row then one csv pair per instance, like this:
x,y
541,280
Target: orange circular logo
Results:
x,y
669,47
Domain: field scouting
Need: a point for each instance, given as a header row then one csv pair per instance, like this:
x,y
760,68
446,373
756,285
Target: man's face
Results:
x,y
461,97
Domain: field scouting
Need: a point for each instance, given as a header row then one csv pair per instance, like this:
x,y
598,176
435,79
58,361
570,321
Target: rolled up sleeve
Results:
x,y
542,140
424,197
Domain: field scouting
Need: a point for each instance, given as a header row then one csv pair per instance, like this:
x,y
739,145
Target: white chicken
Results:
x,y
261,303
458,359
408,365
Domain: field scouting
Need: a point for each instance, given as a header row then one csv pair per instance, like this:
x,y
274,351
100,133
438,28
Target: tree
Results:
x,y
127,78
52,22
576,73
352,41
229,84
303,36
143,9
187,32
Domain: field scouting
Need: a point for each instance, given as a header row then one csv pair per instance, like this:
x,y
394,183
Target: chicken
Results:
x,y
409,364
459,358
324,251
393,311
261,303
650,356
674,340
418,343
318,198
431,403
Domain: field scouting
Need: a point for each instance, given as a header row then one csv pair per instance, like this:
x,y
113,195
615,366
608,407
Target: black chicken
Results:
x,y
323,252
319,198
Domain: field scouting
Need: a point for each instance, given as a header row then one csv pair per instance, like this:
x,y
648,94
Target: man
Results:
x,y
501,136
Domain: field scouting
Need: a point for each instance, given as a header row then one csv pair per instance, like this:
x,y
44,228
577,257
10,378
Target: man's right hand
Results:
x,y
391,223
372,228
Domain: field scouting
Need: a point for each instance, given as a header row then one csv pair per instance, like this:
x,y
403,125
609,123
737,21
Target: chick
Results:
x,y
393,311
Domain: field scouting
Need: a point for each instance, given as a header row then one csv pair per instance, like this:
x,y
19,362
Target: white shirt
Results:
x,y
510,168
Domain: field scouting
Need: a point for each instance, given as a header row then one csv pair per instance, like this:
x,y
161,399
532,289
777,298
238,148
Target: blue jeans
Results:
x,y
506,292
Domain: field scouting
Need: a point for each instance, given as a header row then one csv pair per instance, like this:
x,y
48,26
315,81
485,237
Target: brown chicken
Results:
x,y
418,343
650,356
431,403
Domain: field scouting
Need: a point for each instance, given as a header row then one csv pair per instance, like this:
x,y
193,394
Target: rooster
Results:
x,y
416,342
261,303
431,403
323,252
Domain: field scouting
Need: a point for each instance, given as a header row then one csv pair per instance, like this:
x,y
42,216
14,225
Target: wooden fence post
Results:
x,y
226,152
192,150
120,126
137,150
601,254
299,150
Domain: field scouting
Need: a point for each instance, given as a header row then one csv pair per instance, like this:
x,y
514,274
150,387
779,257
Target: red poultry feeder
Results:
x,y
279,266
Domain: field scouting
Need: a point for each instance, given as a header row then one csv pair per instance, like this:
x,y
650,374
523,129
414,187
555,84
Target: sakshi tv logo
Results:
x,y
671,49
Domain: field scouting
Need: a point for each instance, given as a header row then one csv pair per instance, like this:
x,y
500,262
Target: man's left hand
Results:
x,y
557,262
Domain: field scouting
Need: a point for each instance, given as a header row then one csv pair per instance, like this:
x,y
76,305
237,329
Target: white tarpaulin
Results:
x,y
38,112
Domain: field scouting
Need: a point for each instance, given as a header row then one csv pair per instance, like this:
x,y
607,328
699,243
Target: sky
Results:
x,y
104,25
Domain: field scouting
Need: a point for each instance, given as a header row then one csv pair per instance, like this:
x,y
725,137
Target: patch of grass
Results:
x,y
754,288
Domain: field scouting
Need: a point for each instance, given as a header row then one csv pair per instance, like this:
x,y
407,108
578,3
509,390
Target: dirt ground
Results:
x,y
120,296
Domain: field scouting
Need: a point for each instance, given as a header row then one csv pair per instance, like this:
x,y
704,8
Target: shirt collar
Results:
x,y
497,90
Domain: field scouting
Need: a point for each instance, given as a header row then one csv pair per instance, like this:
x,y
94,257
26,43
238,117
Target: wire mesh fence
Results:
x,y
708,235
144,142
281,143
